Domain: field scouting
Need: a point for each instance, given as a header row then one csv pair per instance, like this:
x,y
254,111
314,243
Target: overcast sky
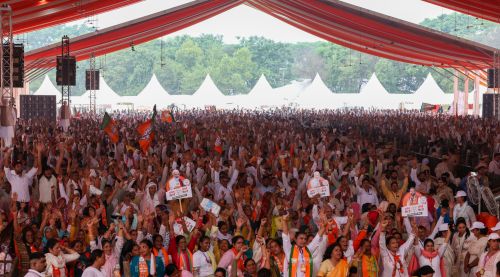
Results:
x,y
244,21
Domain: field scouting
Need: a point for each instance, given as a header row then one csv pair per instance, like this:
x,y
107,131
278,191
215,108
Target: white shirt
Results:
x,y
221,192
489,265
92,272
287,248
45,186
20,184
435,262
33,273
369,196
464,211
203,262
388,259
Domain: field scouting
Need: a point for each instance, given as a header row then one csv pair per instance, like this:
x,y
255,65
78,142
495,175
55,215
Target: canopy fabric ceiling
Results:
x,y
377,34
485,9
333,20
132,32
31,15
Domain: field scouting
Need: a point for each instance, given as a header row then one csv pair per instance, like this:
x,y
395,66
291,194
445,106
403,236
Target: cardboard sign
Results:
x,y
416,210
318,185
190,224
323,191
179,193
210,206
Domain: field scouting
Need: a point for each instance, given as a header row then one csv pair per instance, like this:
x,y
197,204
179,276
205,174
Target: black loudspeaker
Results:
x,y
17,64
491,105
493,78
66,71
94,76
40,107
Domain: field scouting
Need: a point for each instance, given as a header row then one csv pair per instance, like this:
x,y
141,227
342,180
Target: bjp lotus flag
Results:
x,y
146,132
218,145
167,116
108,125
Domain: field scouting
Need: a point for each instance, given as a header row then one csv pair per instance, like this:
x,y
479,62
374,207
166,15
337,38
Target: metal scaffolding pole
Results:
x,y
92,82
65,89
6,52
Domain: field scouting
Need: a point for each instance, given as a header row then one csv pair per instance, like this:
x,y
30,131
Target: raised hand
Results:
x,y
171,218
244,248
240,222
384,224
285,217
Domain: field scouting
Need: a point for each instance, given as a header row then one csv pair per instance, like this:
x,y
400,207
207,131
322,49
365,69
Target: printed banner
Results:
x,y
416,210
190,224
210,206
179,193
323,191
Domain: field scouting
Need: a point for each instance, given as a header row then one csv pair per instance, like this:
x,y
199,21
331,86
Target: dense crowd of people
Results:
x,y
250,193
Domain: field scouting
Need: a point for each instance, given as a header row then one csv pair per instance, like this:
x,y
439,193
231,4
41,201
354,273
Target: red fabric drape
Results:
x,y
133,32
485,9
335,21
377,34
31,15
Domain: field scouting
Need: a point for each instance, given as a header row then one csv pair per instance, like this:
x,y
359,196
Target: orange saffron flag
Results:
x,y
167,116
108,125
146,132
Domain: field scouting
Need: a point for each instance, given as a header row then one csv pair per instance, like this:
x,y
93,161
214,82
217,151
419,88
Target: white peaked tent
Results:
x,y
153,94
48,88
317,95
429,92
82,100
207,95
288,94
374,95
261,95
105,96
183,101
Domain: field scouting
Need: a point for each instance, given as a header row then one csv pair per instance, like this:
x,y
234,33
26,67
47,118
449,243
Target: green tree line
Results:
x,y
181,63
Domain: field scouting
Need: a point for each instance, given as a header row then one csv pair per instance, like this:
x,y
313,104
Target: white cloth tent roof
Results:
x,y
317,95
261,88
81,100
207,94
428,92
104,96
183,101
261,95
48,88
374,95
153,94
288,94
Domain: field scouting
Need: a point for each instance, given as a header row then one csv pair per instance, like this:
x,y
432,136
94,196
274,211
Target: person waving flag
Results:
x,y
108,125
167,116
146,133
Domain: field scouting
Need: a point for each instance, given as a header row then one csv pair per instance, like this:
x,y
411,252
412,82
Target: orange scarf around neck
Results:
x,y
307,262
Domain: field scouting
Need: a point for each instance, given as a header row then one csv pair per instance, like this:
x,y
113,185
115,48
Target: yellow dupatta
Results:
x,y
340,270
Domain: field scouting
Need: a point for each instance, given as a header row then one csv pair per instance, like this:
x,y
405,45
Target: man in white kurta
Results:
x,y
46,184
